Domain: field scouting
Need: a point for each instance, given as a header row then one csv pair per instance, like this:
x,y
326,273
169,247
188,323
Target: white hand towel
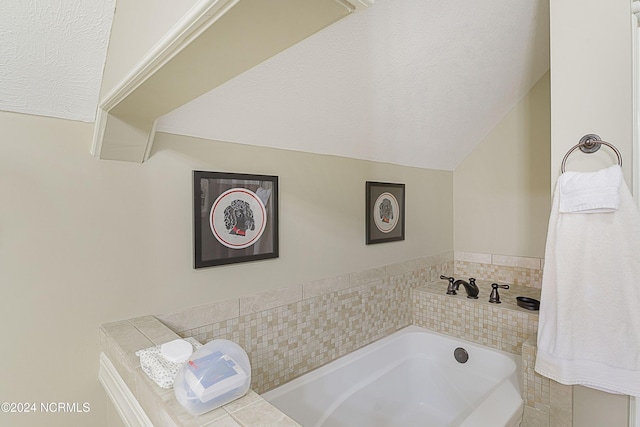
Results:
x,y
590,192
589,328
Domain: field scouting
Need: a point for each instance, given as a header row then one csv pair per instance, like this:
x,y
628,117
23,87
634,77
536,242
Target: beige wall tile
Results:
x,y
156,331
402,267
367,276
513,261
479,258
226,421
263,414
151,398
185,419
270,299
123,341
123,365
535,418
500,273
561,399
142,319
248,399
441,258
500,327
325,286
202,315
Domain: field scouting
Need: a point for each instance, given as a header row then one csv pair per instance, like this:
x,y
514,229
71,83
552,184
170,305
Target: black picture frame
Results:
x,y
385,219
235,218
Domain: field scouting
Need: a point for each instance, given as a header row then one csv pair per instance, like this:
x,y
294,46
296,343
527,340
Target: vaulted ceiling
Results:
x,y
411,82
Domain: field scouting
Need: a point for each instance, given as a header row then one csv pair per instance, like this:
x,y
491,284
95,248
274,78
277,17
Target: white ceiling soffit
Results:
x,y
52,54
411,82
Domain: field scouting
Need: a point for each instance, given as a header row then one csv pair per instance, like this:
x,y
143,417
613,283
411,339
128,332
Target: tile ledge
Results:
x,y
439,288
119,392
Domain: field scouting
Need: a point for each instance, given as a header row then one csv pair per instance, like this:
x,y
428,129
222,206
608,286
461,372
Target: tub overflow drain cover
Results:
x,y
461,355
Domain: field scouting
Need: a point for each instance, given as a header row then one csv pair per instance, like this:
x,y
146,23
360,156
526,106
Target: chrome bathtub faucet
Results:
x,y
470,286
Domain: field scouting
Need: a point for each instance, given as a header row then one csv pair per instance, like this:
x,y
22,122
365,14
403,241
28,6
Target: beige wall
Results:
x,y
84,242
502,189
591,82
591,92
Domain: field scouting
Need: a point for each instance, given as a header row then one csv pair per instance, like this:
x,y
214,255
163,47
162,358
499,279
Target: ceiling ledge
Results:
x,y
214,42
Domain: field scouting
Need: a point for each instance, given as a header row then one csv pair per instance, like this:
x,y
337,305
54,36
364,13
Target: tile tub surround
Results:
x,y
502,326
120,341
547,402
289,332
499,268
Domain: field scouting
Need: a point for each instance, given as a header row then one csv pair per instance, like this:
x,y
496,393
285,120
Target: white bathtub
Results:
x,y
409,378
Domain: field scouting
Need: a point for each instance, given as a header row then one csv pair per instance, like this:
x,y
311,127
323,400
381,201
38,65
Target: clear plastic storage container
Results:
x,y
214,375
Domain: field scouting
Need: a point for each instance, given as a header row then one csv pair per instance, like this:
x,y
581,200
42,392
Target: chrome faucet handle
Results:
x,y
495,296
450,289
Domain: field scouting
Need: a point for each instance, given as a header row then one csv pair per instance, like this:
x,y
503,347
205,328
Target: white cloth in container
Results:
x,y
161,370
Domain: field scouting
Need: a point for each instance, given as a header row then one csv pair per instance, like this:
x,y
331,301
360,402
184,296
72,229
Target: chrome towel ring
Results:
x,y
590,143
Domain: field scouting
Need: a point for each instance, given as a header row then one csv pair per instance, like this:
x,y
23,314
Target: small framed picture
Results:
x,y
385,212
235,218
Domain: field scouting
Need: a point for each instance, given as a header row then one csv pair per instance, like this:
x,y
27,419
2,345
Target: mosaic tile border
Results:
x,y
502,327
289,332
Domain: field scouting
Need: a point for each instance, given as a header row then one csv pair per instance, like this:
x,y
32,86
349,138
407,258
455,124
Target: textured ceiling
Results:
x,y
52,54
411,82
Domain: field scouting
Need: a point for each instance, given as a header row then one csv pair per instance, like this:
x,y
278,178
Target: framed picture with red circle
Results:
x,y
235,218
